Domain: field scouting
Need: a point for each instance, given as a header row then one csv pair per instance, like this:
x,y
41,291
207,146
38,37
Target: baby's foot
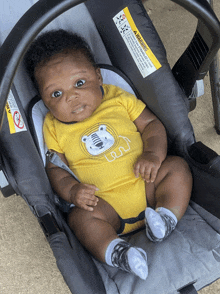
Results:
x,y
159,223
130,259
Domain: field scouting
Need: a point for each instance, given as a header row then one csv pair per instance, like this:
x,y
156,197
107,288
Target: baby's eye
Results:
x,y
80,83
57,94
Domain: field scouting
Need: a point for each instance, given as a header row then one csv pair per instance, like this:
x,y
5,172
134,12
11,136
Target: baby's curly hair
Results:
x,y
53,42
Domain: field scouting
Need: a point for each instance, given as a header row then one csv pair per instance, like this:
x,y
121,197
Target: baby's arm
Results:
x,y
81,195
154,145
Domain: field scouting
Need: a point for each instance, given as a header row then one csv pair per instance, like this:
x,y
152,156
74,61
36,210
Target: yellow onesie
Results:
x,y
102,150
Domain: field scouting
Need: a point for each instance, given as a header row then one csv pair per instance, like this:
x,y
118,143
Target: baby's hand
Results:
x,y
147,166
83,196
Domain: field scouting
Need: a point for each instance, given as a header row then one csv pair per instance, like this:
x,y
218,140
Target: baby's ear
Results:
x,y
98,72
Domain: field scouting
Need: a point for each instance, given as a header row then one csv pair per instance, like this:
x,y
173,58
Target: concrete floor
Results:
x,y
27,265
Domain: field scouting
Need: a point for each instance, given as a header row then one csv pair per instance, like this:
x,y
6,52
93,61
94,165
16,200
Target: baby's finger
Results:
x,y
86,207
153,175
92,188
91,201
147,174
142,169
136,170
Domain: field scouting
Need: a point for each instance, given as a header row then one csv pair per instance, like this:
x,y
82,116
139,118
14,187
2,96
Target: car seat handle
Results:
x,y
199,8
195,61
16,44
202,10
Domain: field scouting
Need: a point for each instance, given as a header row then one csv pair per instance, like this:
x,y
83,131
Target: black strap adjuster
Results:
x,y
48,224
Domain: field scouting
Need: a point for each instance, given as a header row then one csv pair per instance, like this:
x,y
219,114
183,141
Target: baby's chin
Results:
x,y
71,121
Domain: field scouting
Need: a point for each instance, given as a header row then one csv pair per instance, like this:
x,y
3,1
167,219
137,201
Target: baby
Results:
x,y
115,146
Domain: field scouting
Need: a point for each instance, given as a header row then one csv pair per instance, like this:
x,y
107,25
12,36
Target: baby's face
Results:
x,y
70,86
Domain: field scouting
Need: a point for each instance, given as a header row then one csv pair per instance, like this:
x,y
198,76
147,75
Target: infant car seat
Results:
x,y
116,30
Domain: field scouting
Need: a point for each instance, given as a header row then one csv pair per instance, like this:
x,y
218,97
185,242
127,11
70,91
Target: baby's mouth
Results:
x,y
78,110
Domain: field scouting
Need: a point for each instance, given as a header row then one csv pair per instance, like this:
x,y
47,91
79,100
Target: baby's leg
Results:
x,y
169,195
173,186
97,233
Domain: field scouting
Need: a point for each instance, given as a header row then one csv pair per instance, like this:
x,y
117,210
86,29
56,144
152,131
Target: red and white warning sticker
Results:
x,y
15,120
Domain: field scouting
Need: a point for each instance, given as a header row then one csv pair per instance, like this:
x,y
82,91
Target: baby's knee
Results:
x,y
75,218
80,218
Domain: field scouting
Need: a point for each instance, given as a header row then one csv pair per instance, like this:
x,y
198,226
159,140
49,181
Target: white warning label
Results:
x,y
15,120
144,58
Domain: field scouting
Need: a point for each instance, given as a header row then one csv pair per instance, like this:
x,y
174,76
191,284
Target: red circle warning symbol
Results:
x,y
19,123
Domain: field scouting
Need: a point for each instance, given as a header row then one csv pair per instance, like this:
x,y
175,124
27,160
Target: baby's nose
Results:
x,y
72,95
